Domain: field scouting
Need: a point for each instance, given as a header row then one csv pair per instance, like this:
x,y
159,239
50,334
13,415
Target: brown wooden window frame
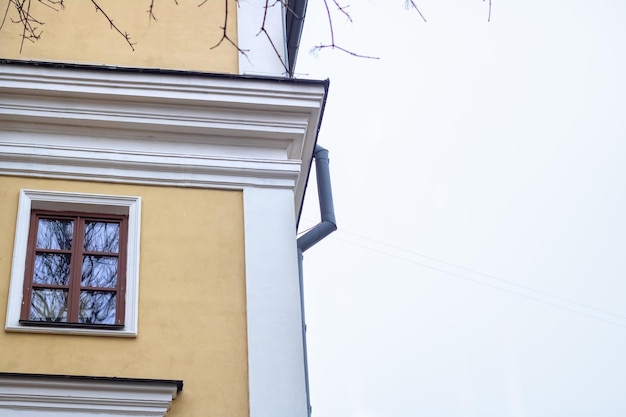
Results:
x,y
74,286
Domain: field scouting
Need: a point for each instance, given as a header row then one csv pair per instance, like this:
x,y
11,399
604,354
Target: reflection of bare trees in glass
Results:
x,y
52,268
99,271
48,305
55,234
97,307
102,236
56,296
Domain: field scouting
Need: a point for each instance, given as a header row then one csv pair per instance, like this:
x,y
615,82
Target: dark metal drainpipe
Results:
x,y
295,12
325,227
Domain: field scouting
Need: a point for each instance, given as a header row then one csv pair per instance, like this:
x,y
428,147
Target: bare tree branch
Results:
x,y
151,15
332,44
224,28
53,4
410,4
31,31
25,16
6,12
28,23
267,35
125,35
343,10
339,48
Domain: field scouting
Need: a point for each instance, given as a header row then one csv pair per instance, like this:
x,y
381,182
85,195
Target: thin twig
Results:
x,y
151,15
411,4
330,23
29,32
343,10
224,28
332,44
6,12
287,7
347,51
267,35
51,4
26,20
125,35
25,26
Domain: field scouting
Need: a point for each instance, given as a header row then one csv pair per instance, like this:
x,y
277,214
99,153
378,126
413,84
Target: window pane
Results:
x,y
52,268
99,271
102,236
55,234
97,307
48,305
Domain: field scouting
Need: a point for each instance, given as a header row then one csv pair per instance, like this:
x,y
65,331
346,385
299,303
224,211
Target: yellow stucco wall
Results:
x,y
180,38
192,316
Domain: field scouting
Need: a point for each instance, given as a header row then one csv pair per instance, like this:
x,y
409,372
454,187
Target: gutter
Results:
x,y
295,12
326,226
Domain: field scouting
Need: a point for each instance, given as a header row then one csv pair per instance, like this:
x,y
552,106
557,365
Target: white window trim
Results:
x,y
86,203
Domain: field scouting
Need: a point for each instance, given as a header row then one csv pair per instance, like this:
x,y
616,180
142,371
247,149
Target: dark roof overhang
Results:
x,y
295,12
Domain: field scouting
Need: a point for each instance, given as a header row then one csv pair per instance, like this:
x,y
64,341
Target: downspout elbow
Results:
x,y
328,223
313,236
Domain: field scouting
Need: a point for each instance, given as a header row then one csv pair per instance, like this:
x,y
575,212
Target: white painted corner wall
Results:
x,y
265,52
275,351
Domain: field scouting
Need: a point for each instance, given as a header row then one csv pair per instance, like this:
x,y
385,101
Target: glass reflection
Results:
x,y
52,268
97,307
102,236
48,305
99,271
55,234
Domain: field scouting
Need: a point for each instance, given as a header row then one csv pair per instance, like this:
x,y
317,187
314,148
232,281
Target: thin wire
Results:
x,y
481,282
304,231
478,273
486,275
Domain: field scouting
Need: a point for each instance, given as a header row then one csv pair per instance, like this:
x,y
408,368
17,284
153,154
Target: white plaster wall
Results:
x,y
275,351
260,57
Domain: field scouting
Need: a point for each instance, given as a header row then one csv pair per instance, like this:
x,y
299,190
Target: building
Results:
x,y
151,178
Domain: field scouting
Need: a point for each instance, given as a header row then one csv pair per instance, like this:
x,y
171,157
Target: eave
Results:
x,y
161,127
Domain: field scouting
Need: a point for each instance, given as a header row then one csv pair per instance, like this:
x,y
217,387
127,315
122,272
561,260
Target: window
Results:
x,y
75,270
75,264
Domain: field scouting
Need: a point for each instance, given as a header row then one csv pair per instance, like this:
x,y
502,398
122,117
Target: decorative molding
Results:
x,y
86,203
187,130
41,395
175,129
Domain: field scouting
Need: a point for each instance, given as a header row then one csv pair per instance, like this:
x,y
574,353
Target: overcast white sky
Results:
x,y
479,179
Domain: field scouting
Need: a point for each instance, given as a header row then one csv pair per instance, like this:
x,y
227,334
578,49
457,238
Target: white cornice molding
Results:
x,y
35,396
157,128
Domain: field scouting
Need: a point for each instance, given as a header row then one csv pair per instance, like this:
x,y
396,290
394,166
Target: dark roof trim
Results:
x,y
295,13
95,67
178,383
